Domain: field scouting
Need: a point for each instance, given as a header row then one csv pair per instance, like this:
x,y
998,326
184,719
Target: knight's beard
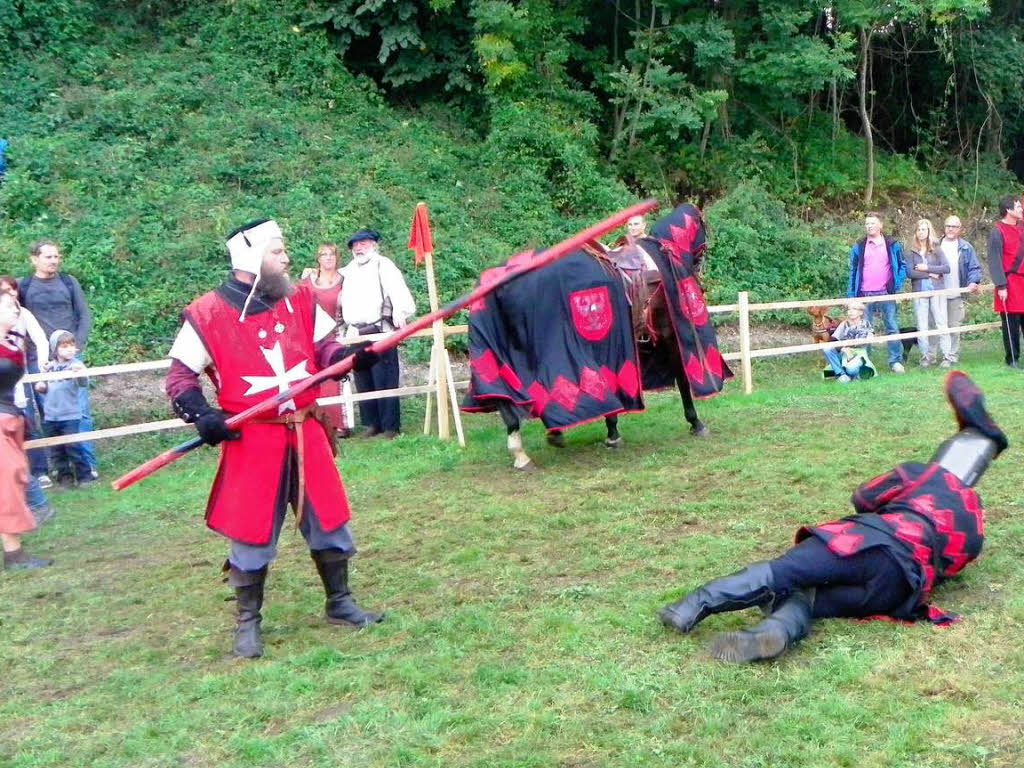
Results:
x,y
275,287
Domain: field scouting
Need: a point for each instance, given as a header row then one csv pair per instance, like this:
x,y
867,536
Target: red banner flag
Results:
x,y
420,240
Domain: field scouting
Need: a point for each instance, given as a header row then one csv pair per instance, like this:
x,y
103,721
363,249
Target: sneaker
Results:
x,y
897,368
844,379
94,474
44,482
926,362
946,364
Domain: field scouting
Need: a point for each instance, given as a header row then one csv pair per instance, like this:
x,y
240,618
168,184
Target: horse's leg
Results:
x,y
614,439
697,427
515,439
556,437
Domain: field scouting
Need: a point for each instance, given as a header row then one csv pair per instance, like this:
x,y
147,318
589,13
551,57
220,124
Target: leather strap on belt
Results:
x,y
294,420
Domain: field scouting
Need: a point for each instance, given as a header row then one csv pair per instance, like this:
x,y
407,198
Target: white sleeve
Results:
x,y
402,304
37,335
190,350
323,325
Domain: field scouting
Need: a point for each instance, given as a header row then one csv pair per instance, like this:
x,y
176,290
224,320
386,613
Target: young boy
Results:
x,y
850,363
62,410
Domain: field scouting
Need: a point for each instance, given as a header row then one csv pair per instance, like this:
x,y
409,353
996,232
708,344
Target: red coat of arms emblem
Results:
x,y
691,301
591,312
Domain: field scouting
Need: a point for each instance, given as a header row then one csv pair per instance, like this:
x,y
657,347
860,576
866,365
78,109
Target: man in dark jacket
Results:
x,y
915,526
57,301
877,269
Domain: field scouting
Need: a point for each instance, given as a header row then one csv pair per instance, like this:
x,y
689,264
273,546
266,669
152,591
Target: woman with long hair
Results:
x,y
28,329
15,517
325,279
926,264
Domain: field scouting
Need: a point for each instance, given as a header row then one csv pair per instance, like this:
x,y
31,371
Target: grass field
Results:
x,y
521,628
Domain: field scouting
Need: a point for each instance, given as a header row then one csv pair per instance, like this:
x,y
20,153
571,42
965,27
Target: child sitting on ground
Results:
x,y
62,410
849,363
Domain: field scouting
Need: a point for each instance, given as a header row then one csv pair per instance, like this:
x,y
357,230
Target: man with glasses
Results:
x,y
964,271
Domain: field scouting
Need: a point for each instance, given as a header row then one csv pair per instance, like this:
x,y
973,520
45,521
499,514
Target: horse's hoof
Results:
x,y
699,430
557,439
610,443
527,467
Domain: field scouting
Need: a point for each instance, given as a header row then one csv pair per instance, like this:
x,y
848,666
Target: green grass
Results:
x,y
521,628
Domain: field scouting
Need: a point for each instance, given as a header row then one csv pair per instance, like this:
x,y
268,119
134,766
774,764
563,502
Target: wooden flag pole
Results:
x,y
436,354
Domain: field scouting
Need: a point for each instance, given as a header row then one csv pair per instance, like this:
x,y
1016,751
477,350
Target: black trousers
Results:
x,y
1010,326
37,461
864,584
384,414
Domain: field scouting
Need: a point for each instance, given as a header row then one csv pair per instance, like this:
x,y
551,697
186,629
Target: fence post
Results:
x,y
748,376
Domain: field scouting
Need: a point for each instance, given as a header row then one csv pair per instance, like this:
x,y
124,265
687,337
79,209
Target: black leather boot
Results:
x,y
341,607
787,624
743,589
249,597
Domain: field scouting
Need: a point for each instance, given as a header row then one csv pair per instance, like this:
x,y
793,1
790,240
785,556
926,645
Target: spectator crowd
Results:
x,y
879,265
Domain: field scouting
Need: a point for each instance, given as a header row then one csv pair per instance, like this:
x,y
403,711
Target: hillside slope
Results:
x,y
139,150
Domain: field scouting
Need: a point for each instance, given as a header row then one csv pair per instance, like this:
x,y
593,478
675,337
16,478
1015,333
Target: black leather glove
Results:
x,y
365,359
213,428
192,408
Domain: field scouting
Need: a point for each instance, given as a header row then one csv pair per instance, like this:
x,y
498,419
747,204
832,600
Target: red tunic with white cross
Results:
x,y
252,360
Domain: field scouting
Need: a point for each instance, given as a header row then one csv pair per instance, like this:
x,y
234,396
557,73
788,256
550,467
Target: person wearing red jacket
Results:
x,y
255,336
914,527
1006,265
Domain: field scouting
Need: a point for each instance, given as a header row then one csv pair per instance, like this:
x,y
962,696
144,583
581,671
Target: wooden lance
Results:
x,y
526,262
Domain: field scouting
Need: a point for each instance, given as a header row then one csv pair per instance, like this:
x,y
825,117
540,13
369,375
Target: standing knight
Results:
x,y
255,336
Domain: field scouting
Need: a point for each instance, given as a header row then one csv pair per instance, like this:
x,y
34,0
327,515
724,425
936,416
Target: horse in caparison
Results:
x,y
579,339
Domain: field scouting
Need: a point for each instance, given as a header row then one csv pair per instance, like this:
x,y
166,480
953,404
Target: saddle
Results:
x,y
641,285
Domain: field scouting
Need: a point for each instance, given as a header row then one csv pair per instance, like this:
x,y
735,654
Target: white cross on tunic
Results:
x,y
281,379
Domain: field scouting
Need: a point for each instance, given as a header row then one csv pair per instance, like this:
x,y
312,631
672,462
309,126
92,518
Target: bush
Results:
x,y
756,246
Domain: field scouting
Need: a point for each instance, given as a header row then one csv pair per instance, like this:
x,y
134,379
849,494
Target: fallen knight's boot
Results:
x,y
744,589
788,623
341,607
249,599
968,453
968,405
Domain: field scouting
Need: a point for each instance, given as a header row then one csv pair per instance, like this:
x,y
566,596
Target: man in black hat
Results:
x,y
375,299
915,527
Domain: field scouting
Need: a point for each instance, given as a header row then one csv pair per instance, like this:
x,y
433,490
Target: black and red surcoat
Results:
x,y
926,520
558,342
252,360
677,244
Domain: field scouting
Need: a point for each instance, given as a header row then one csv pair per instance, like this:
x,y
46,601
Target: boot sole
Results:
x,y
351,624
743,647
